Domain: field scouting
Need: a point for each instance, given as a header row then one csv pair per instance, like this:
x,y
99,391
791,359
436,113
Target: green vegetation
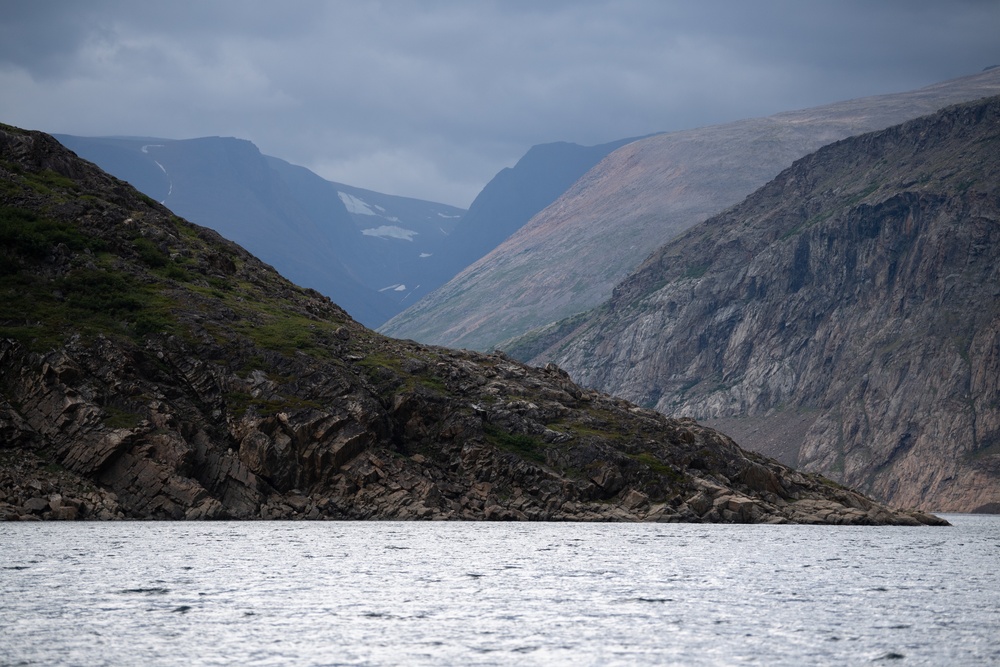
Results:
x,y
260,313
654,464
87,295
611,426
578,430
160,263
523,445
47,181
377,360
43,314
826,481
219,285
150,255
381,365
115,417
24,234
696,271
431,382
53,468
869,189
984,451
287,335
654,287
239,402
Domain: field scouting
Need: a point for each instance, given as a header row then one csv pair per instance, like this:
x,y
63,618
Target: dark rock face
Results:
x,y
845,317
151,369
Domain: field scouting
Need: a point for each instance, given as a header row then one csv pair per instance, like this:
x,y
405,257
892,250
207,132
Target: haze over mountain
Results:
x,y
151,369
845,317
568,257
365,249
373,253
517,193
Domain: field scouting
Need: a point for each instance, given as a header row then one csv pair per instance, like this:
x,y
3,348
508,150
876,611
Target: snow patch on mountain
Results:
x,y
361,207
358,206
390,232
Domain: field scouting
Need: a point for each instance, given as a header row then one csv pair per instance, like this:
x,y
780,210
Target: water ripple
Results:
x,y
491,594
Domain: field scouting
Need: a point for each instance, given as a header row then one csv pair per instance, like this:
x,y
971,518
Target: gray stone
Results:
x,y
36,505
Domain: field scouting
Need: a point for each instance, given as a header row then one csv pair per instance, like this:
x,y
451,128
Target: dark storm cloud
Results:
x,y
430,99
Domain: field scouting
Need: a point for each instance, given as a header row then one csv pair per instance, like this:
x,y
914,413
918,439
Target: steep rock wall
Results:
x,y
856,298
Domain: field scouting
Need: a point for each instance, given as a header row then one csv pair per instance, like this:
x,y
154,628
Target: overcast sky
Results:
x,y
430,99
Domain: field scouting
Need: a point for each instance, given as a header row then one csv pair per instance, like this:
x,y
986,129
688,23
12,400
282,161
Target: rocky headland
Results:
x,y
152,370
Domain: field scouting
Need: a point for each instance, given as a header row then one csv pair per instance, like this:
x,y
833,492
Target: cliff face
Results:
x,y
567,258
152,369
845,317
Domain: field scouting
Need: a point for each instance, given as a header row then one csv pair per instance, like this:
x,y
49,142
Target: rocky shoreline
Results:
x,y
464,481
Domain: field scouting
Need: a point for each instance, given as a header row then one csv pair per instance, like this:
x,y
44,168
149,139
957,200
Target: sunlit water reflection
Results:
x,y
483,593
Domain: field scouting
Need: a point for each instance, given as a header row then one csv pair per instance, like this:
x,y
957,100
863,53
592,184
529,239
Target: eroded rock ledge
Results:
x,y
493,440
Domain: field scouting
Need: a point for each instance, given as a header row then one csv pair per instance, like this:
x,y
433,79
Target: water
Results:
x,y
498,594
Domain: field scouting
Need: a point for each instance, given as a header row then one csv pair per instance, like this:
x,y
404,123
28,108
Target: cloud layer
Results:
x,y
431,99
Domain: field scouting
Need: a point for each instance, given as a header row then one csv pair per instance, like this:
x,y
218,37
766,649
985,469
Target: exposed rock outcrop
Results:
x,y
846,316
151,369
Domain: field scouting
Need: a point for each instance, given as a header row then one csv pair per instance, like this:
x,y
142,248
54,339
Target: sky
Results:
x,y
431,98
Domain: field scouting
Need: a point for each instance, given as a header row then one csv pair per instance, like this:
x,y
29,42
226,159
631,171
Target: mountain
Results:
x,y
150,368
396,245
373,253
517,193
367,250
567,259
846,317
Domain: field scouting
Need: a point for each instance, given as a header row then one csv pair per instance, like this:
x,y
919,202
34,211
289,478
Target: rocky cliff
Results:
x,y
567,259
846,317
151,369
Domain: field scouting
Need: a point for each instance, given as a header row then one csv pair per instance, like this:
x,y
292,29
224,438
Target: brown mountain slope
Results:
x,y
568,258
149,368
846,316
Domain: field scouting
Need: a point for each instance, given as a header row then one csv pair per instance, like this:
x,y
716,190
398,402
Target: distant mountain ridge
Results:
x,y
517,193
374,253
845,317
393,245
230,186
567,259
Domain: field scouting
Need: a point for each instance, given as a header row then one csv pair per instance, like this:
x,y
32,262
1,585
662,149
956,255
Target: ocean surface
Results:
x,y
390,593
